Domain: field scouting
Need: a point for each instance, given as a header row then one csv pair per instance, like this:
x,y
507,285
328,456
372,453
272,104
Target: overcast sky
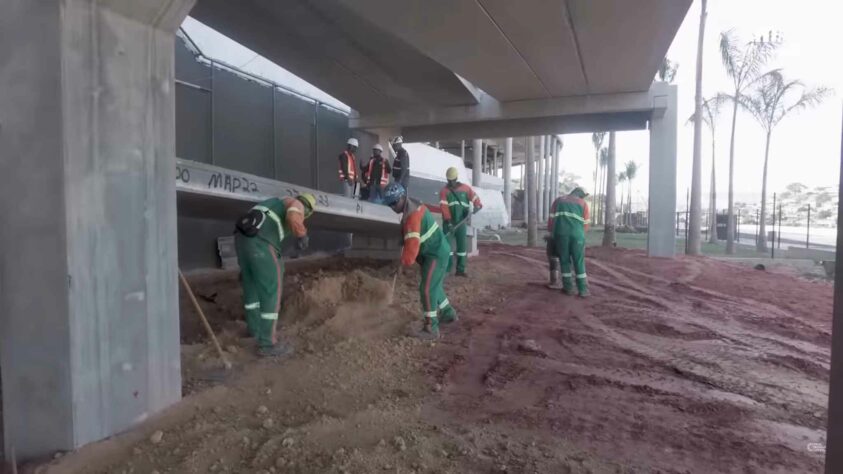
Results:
x,y
805,147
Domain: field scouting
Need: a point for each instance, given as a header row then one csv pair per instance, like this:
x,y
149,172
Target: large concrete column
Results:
x,y
661,240
477,163
532,191
89,333
507,178
554,184
834,433
462,150
540,170
548,166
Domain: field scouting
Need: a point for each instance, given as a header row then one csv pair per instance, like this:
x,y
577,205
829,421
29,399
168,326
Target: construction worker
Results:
x,y
376,176
425,243
567,223
348,167
258,238
401,163
455,200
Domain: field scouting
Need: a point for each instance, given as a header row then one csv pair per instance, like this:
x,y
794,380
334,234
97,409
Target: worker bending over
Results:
x,y
456,200
425,243
348,167
567,223
258,238
376,176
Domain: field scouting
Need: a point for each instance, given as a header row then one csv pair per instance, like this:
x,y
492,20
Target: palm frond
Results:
x,y
729,53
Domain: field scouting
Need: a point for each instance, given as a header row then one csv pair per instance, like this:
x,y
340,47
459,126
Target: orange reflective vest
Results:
x,y
384,171
348,170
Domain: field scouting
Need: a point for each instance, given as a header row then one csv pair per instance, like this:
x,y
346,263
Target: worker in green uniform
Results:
x,y
425,243
258,238
456,199
567,223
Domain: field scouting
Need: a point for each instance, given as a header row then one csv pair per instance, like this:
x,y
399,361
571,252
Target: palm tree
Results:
x,y
621,181
609,232
710,111
604,161
772,99
693,247
596,139
743,66
631,169
667,70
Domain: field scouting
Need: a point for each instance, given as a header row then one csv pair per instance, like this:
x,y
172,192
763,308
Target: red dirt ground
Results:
x,y
689,365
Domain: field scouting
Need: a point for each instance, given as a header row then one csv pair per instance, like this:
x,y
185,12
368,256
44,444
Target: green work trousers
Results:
x,y
261,274
432,289
460,237
571,248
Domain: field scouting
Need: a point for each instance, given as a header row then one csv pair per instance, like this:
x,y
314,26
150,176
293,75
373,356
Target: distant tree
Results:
x,y
710,112
604,160
796,188
743,66
772,99
597,139
667,70
609,231
630,170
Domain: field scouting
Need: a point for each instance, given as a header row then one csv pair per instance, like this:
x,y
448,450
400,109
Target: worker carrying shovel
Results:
x,y
456,200
567,223
258,238
425,243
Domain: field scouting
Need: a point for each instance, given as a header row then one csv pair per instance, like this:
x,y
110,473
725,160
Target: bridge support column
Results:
x,y
89,333
507,178
661,239
477,163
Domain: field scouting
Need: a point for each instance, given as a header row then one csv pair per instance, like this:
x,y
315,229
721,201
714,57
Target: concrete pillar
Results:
x,y
548,171
462,150
507,178
89,333
834,434
661,240
540,180
477,163
532,191
554,174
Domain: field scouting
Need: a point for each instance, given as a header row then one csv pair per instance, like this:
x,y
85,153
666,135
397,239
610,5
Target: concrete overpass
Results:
x,y
89,340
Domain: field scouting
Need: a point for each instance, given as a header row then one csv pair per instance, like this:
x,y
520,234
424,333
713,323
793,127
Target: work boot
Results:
x,y
277,350
429,332
554,284
462,273
584,293
449,315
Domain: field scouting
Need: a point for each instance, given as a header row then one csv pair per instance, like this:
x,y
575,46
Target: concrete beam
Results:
x,y
89,338
213,192
626,111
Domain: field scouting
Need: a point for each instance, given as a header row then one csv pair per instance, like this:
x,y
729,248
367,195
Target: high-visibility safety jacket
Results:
x,y
401,165
348,166
374,164
422,235
457,202
284,216
568,216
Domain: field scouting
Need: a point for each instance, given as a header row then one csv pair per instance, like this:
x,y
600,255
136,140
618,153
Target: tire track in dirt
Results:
x,y
680,360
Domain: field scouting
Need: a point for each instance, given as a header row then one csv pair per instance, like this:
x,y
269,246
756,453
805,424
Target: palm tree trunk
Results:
x,y
594,189
611,177
629,205
712,224
730,212
762,228
696,170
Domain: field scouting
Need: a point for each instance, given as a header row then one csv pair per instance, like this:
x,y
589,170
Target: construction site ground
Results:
x,y
691,365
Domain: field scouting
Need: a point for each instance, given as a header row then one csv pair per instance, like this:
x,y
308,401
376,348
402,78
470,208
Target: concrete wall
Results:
x,y
241,123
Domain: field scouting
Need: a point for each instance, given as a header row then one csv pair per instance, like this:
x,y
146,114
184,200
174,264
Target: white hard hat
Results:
x,y
397,140
353,142
377,147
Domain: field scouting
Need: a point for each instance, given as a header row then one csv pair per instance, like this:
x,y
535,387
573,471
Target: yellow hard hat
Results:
x,y
309,201
452,174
